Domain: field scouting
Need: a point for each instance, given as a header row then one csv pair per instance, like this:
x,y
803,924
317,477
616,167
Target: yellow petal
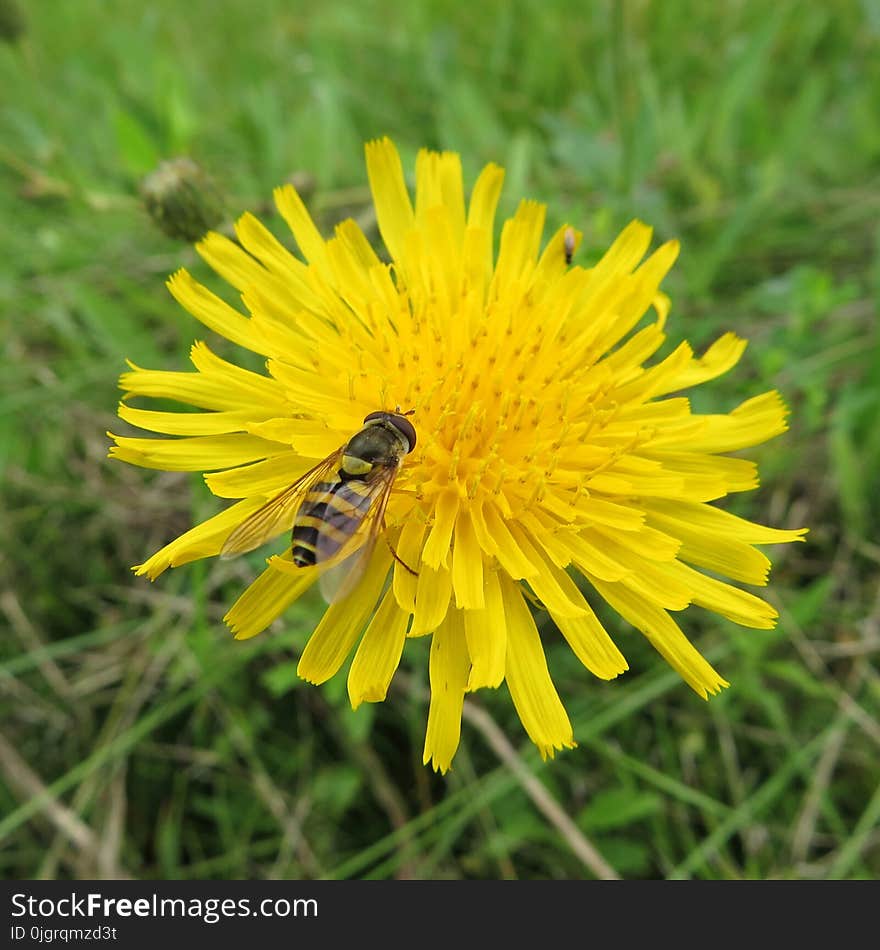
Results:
x,y
343,622
393,207
658,380
642,291
265,600
664,634
721,356
477,256
195,389
714,549
646,542
186,423
648,477
310,440
637,349
647,578
265,478
204,540
439,184
528,679
378,655
648,277
353,239
436,549
607,283
258,241
230,261
591,644
409,548
511,557
702,473
322,397
660,411
484,198
589,555
250,388
206,391
553,586
448,671
737,605
433,593
442,271
213,312
307,236
486,635
549,534
628,249
467,565
353,262
755,421
597,510
715,521
661,304
193,454
520,241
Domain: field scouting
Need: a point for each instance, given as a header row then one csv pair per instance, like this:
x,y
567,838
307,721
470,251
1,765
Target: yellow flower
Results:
x,y
550,461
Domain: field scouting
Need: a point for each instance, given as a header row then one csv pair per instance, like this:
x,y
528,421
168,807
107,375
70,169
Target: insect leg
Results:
x,y
397,558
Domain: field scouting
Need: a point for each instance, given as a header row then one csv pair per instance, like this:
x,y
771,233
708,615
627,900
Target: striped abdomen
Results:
x,y
328,517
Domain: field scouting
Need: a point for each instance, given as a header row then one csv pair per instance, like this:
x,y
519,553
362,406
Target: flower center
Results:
x,y
493,419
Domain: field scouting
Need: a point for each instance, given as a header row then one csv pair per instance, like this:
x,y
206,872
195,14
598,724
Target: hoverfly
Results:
x,y
326,506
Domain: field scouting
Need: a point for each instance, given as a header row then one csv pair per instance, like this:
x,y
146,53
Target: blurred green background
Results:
x,y
136,737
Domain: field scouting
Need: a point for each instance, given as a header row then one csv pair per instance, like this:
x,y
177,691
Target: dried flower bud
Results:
x,y
182,199
12,21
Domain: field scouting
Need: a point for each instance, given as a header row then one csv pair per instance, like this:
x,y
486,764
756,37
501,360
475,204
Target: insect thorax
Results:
x,y
376,444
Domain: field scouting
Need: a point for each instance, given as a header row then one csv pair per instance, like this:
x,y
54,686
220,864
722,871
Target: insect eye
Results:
x,y
406,428
399,421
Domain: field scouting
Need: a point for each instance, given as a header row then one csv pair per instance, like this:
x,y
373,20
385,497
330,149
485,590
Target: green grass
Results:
x,y
137,737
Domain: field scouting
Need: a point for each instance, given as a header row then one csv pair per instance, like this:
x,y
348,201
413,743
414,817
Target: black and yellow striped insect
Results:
x,y
327,506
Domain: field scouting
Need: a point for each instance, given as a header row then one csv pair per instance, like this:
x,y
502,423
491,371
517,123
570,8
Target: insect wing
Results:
x,y
278,514
339,580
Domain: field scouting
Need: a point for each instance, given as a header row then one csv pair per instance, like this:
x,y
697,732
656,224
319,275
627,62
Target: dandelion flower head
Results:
x,y
553,466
